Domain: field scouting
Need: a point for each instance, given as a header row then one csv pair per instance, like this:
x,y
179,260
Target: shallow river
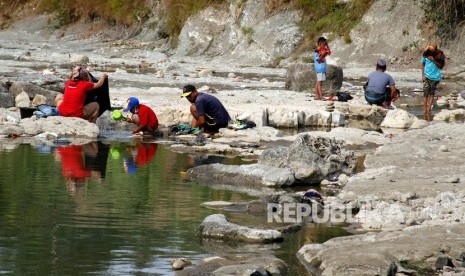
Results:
x,y
116,209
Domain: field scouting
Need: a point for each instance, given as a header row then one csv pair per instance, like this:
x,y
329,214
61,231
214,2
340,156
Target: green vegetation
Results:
x,y
248,32
319,16
331,16
113,11
446,15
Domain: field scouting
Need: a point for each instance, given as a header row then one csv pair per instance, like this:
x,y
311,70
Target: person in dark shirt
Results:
x,y
209,113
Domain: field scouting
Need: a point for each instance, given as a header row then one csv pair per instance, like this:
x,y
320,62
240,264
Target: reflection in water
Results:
x,y
133,224
139,156
80,162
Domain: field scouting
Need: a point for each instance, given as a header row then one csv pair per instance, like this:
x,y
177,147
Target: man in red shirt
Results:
x,y
142,115
71,104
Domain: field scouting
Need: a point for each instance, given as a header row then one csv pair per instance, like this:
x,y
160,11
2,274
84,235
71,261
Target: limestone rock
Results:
x,y
6,100
358,112
79,59
218,227
450,116
312,158
32,90
22,100
39,100
62,126
247,32
398,118
301,77
371,253
179,264
254,175
205,73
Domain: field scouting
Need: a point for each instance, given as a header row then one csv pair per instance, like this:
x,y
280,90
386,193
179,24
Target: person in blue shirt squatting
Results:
x,y
209,113
432,62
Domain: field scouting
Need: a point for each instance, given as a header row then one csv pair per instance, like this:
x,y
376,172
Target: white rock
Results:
x,y
180,263
79,59
22,100
39,100
205,73
443,148
398,118
231,75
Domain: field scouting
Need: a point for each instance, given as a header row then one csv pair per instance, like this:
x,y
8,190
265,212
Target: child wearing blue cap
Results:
x,y
142,115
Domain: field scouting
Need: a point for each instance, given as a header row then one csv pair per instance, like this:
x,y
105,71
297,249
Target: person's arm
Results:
x,y
100,81
434,61
394,95
139,129
423,78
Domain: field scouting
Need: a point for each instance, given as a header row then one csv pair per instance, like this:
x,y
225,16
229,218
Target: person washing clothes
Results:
x,y
208,112
142,115
71,103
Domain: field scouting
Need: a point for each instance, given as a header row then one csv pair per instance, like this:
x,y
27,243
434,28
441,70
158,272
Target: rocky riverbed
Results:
x,y
410,183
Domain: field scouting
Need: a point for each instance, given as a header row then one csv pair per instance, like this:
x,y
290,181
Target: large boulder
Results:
x,y
218,227
22,100
238,264
302,77
6,100
61,126
372,114
32,90
312,158
245,175
245,32
398,118
372,253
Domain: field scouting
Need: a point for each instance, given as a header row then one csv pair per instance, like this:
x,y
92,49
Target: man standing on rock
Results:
x,y
209,113
380,88
71,104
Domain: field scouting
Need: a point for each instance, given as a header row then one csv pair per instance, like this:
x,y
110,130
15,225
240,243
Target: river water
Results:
x,y
116,209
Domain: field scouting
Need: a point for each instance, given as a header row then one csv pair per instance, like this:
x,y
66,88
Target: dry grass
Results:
x,y
114,11
447,15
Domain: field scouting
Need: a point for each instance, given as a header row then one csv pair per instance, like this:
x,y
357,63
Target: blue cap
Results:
x,y
130,103
130,166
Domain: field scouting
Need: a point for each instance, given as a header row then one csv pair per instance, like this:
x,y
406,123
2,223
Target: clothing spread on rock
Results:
x,y
74,97
147,117
213,110
431,71
377,82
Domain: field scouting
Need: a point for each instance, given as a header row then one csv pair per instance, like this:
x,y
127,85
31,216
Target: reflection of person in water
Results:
x,y
140,156
73,166
75,170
